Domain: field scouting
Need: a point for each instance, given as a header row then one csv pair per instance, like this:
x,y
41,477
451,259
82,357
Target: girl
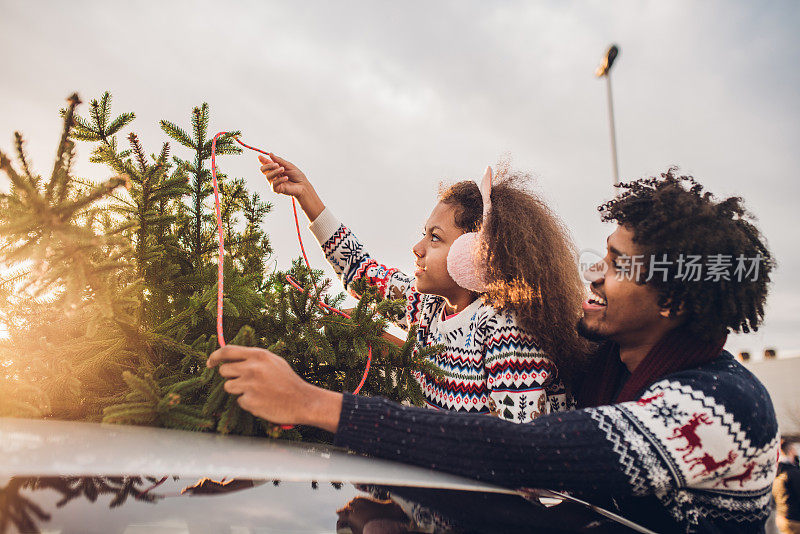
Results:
x,y
506,309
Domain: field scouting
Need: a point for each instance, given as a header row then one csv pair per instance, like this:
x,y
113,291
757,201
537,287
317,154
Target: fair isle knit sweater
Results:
x,y
489,363
696,452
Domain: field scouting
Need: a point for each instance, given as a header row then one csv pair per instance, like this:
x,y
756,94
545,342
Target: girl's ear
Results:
x,y
463,260
463,264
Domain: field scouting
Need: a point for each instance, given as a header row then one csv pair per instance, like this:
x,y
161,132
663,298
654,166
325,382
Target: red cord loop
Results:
x,y
220,294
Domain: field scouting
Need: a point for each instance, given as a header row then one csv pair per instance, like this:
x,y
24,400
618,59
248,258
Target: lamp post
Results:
x,y
604,70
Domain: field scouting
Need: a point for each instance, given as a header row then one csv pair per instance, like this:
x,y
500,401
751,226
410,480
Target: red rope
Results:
x,y
220,294
220,336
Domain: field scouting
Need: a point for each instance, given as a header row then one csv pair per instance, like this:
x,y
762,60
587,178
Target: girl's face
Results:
x,y
431,274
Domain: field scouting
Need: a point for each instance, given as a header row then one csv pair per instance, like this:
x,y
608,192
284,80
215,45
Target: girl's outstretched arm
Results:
x,y
351,262
343,251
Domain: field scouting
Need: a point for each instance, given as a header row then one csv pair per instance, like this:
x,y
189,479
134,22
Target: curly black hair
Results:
x,y
530,263
672,218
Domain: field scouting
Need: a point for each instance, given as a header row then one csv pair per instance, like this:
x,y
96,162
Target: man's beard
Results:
x,y
586,333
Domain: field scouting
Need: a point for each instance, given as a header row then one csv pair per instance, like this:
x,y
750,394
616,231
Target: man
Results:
x,y
786,490
674,432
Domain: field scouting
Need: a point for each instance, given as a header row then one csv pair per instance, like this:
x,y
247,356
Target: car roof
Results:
x,y
31,447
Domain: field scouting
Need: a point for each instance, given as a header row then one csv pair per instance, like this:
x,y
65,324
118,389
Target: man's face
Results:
x,y
619,308
431,252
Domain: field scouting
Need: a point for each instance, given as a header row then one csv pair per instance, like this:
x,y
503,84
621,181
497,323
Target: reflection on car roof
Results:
x,y
143,479
63,448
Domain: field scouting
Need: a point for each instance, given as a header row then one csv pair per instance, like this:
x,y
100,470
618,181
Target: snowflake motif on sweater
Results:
x,y
489,363
696,452
688,440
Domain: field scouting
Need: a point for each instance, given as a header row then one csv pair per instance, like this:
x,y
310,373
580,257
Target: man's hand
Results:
x,y
286,179
269,388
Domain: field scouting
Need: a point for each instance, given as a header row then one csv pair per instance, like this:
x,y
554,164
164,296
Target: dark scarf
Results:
x,y
678,350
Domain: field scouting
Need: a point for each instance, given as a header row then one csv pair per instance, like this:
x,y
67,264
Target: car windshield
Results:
x,y
175,505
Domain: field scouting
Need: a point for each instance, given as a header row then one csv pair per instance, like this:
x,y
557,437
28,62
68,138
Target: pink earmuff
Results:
x,y
464,262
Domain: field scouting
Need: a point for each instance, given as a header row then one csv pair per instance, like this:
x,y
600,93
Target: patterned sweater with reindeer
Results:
x,y
696,452
489,364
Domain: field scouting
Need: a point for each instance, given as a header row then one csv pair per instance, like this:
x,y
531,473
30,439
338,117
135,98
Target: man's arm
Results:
x,y
563,451
673,437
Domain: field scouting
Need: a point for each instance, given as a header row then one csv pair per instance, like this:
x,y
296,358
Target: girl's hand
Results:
x,y
286,179
284,176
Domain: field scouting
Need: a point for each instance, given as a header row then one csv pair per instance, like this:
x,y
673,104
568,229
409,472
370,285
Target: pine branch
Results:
x,y
57,184
104,110
119,123
176,133
200,125
68,209
145,386
23,160
83,130
138,151
20,182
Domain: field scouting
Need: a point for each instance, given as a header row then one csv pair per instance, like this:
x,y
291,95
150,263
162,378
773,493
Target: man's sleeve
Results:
x,y
560,451
673,437
351,262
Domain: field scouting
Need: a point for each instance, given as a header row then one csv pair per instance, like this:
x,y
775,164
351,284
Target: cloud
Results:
x,y
378,102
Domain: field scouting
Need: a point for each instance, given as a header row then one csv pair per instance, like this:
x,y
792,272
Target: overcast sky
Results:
x,y
379,101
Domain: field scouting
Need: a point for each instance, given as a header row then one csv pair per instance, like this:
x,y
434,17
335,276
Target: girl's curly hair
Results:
x,y
530,262
672,219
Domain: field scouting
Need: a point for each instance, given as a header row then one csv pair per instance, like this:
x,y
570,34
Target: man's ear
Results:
x,y
666,312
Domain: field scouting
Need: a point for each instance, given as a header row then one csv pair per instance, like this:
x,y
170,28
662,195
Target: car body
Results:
x,y
76,477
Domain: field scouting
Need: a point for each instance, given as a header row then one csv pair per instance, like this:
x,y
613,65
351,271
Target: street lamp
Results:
x,y
604,71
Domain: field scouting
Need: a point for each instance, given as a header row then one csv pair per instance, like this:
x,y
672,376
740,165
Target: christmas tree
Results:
x,y
109,289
